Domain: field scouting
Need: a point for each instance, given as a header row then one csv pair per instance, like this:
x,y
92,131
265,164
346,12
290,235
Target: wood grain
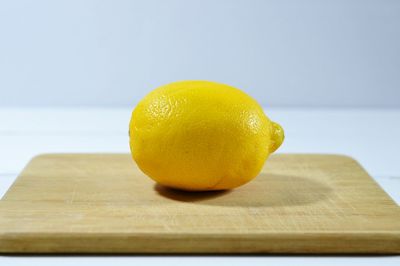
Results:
x,y
89,203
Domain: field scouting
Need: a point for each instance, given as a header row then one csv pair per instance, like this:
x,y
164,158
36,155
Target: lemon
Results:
x,y
201,135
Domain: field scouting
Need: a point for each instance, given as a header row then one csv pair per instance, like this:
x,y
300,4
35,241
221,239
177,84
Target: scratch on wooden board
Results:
x,y
73,194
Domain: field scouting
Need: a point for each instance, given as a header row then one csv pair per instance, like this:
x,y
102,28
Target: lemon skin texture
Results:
x,y
201,135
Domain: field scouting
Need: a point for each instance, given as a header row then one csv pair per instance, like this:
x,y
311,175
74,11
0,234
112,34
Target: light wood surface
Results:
x,y
103,203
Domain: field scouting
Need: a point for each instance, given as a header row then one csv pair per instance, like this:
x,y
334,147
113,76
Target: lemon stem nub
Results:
x,y
277,136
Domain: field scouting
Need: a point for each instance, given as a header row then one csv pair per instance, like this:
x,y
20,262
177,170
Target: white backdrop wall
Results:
x,y
283,53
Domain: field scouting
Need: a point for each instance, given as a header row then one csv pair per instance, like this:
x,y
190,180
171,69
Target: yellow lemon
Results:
x,y
201,135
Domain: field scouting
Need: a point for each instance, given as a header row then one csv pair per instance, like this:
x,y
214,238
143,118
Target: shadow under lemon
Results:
x,y
266,190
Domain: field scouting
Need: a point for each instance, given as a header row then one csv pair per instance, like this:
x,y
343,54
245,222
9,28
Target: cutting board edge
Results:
x,y
293,243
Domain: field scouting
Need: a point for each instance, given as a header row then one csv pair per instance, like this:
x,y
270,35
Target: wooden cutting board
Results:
x,y
89,203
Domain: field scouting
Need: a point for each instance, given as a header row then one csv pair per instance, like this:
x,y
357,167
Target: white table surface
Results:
x,y
371,136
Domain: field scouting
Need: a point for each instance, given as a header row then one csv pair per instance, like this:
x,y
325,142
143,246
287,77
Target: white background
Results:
x,y
336,53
